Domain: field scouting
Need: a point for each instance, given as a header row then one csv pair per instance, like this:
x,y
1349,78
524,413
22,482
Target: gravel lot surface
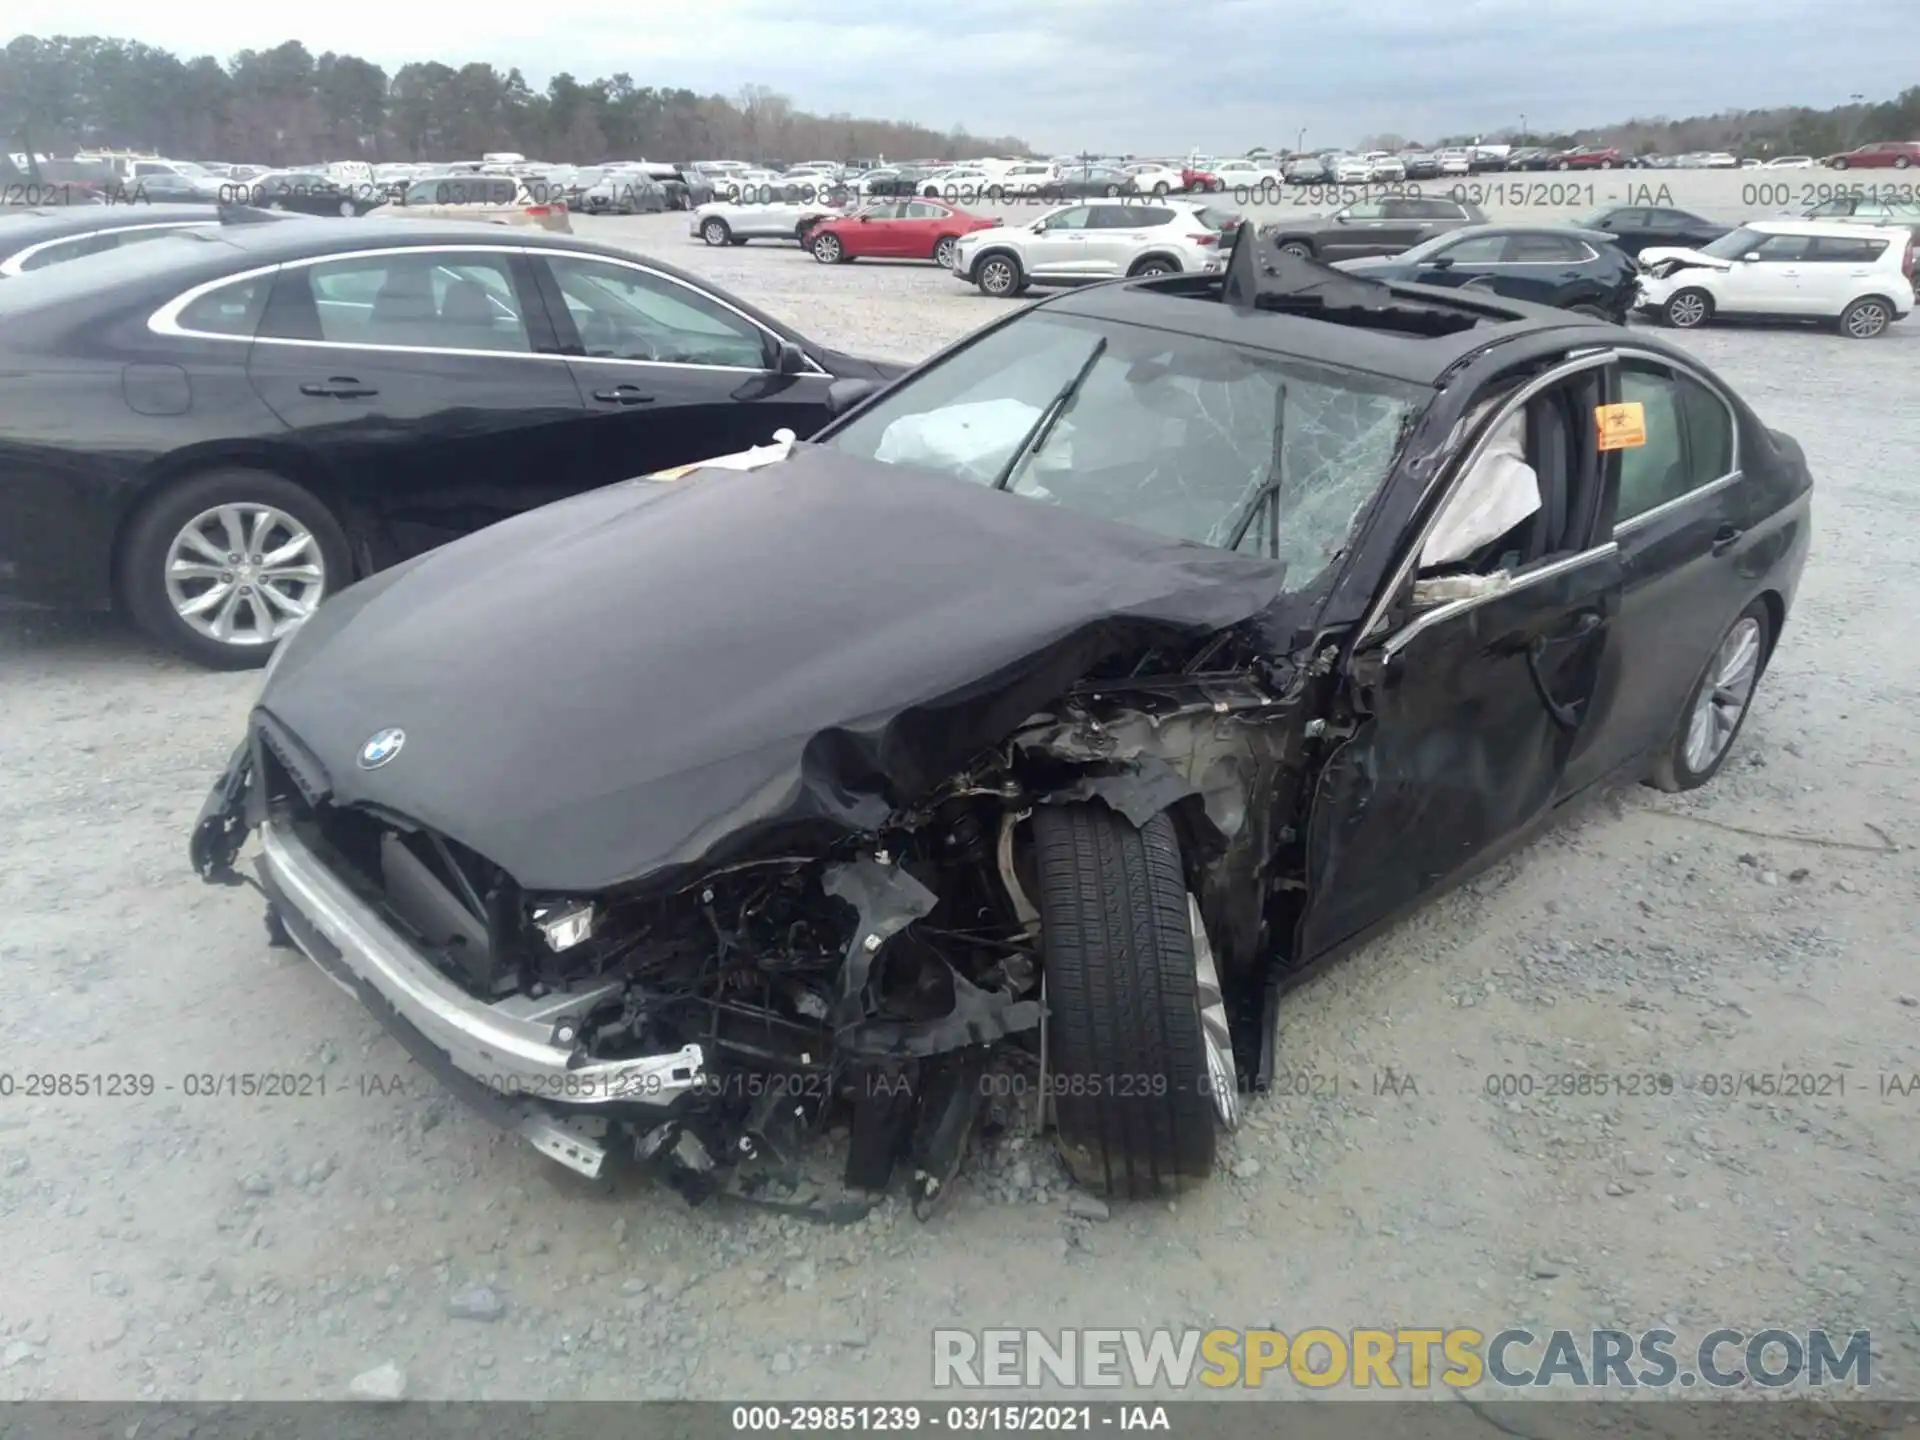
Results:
x,y
221,1247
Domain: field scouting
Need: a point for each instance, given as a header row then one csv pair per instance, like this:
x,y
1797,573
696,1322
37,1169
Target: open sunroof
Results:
x,y
1261,276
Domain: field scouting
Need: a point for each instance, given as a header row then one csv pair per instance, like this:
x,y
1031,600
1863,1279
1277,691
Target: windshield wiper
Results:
x,y
1269,492
1056,407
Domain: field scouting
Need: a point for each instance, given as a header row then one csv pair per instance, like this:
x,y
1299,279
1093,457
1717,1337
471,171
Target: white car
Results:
x,y
1719,160
1156,180
1351,170
1858,278
1092,240
1383,168
1247,175
961,185
1455,161
1026,178
1792,162
725,223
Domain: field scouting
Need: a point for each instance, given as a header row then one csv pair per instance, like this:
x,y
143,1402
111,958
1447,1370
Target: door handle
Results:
x,y
1725,538
1567,717
338,387
623,395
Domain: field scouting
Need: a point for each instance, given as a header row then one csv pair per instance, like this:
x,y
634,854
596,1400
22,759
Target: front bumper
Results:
x,y
512,1059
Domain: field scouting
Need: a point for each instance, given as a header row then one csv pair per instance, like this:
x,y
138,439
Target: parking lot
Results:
x,y
1410,1167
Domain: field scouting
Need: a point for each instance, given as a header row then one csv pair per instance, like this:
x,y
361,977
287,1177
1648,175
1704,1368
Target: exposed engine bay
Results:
x,y
875,986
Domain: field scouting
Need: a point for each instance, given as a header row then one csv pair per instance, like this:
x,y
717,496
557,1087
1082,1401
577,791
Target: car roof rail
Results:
x,y
1262,276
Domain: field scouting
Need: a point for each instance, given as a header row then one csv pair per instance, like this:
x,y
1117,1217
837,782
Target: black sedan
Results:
x,y
1152,645
304,192
1578,270
216,429
896,181
50,235
1385,226
1636,227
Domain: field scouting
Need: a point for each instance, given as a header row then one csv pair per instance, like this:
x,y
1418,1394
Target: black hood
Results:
x,y
656,675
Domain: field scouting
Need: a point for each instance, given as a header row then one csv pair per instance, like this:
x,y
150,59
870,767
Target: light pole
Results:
x,y
1854,125
1523,127
1300,142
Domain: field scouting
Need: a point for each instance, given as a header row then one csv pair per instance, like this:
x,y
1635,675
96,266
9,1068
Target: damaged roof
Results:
x,y
1199,305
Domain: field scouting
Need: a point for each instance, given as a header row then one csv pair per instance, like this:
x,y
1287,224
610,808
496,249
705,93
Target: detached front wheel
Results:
x,y
1135,1081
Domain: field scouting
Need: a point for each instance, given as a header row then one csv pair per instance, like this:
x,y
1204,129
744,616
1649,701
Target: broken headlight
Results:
x,y
564,926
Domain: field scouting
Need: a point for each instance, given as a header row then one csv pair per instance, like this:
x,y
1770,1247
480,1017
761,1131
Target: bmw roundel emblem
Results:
x,y
381,748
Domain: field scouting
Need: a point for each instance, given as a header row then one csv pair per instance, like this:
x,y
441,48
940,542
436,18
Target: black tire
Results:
x,y
715,231
1901,162
1673,772
1153,265
1160,190
999,275
1296,246
1839,163
1687,309
1866,318
1122,999
144,548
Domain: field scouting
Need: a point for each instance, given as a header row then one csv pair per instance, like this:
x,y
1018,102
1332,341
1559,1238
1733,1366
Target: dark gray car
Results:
x,y
1372,227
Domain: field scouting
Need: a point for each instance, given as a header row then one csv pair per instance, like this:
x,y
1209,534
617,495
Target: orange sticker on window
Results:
x,y
1622,427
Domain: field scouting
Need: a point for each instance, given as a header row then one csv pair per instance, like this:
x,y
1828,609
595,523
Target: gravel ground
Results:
x,y
226,1247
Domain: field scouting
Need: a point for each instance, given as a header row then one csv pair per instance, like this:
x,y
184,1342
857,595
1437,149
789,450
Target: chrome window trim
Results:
x,y
1699,492
1440,613
166,320
1403,572
15,264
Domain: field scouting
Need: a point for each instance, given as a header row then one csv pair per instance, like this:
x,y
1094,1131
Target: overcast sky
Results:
x,y
1133,75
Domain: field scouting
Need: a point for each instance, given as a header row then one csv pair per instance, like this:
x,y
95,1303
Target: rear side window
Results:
x,y
1546,250
1845,250
1689,439
230,310
417,300
70,250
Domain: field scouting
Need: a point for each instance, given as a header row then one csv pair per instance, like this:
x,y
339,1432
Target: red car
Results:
x,y
1589,157
1898,154
894,230
1199,182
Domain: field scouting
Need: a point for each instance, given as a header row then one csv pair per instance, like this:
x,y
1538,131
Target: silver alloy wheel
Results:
x,y
996,276
944,252
714,232
826,249
1867,319
1687,309
346,209
1154,267
1724,695
1294,247
1216,1037
245,574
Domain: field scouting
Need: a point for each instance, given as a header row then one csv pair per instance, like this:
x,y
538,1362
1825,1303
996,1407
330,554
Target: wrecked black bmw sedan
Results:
x,y
1053,711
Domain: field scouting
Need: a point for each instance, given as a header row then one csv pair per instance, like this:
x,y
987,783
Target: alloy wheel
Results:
x,y
1687,309
1295,247
826,249
1724,695
944,252
1867,319
714,232
1153,267
245,574
996,277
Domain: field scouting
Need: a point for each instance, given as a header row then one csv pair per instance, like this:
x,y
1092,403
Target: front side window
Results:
x,y
1736,244
1475,250
420,300
628,314
1074,219
1191,438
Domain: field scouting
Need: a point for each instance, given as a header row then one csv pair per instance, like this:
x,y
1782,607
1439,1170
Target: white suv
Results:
x,y
1097,240
1858,278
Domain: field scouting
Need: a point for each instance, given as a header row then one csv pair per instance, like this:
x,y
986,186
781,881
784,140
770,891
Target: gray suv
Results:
x,y
1372,227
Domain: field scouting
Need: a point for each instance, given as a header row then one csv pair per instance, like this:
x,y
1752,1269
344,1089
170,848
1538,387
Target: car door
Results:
x,y
1835,270
915,232
669,373
1468,710
1549,269
1675,507
1114,236
1360,229
1692,231
1060,248
427,382
1771,283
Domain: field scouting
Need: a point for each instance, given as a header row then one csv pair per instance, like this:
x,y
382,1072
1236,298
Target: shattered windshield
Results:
x,y
1734,244
1182,435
